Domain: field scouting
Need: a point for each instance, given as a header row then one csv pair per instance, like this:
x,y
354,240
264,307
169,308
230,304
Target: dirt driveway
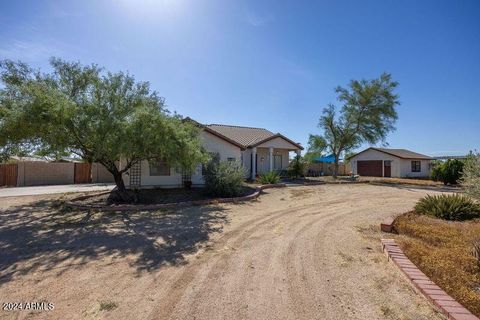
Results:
x,y
296,253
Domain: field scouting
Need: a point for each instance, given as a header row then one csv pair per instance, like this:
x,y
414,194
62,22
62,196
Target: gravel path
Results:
x,y
296,253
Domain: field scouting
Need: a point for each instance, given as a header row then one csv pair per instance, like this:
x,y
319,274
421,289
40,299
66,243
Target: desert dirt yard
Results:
x,y
308,252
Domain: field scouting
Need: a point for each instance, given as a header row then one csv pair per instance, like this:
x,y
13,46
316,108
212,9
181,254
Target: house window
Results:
x,y
277,162
231,159
159,168
416,166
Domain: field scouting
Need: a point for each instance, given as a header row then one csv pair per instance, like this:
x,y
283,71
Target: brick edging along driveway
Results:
x,y
145,207
451,308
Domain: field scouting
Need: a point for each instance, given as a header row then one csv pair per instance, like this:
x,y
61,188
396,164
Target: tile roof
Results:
x,y
401,153
243,137
246,136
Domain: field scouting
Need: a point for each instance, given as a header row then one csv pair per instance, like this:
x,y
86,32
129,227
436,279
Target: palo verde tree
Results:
x,y
100,116
471,175
316,147
368,113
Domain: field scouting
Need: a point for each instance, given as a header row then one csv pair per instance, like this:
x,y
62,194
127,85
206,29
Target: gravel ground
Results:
x,y
296,253
56,189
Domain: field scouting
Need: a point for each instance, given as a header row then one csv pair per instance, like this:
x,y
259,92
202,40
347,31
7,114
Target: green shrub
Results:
x,y
108,305
449,171
296,167
471,176
448,207
224,179
270,177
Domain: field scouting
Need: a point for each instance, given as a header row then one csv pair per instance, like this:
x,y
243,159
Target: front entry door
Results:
x,y
277,162
387,168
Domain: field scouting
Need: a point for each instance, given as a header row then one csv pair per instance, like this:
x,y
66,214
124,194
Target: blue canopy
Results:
x,y
328,159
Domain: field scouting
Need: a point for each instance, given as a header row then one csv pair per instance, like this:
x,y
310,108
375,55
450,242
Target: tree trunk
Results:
x,y
121,194
117,176
335,168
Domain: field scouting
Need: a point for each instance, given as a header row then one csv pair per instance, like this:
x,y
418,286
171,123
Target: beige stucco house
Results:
x,y
258,150
398,163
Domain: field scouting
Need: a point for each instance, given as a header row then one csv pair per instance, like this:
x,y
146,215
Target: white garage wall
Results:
x,y
406,169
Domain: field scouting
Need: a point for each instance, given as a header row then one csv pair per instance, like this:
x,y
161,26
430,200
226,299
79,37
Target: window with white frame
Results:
x,y
159,168
416,166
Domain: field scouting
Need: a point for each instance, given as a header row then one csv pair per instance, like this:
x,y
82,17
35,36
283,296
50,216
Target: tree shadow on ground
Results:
x,y
42,236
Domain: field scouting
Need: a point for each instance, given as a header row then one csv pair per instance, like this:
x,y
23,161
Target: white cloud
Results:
x,y
30,51
257,20
58,10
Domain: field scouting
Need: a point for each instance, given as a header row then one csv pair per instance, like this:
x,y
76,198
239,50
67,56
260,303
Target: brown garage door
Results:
x,y
371,168
83,173
8,175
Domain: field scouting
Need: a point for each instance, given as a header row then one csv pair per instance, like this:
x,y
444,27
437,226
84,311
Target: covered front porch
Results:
x,y
270,159
271,155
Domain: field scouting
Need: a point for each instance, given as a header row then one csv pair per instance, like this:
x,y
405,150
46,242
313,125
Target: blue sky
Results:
x,y
273,64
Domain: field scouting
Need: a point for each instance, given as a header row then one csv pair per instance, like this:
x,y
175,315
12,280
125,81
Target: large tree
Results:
x,y
316,148
100,116
368,113
471,175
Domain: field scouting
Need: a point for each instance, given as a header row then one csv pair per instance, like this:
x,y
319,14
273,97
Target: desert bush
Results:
x,y
296,168
471,176
270,177
448,171
448,207
224,179
476,249
108,305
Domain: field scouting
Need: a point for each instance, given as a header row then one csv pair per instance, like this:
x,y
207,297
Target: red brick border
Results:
x,y
140,207
387,224
447,305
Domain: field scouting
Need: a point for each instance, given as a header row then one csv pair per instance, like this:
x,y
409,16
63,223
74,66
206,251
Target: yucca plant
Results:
x,y
270,177
448,207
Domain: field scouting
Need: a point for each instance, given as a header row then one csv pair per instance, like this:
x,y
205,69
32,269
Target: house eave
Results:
x,y
278,135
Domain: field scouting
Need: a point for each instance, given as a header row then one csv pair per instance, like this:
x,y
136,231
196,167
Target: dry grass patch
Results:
x,y
408,181
426,182
300,193
443,250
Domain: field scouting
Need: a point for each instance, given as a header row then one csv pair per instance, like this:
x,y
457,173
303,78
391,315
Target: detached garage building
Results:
x,y
397,163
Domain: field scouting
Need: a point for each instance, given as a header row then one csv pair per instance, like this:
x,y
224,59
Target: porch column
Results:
x,y
254,163
271,158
